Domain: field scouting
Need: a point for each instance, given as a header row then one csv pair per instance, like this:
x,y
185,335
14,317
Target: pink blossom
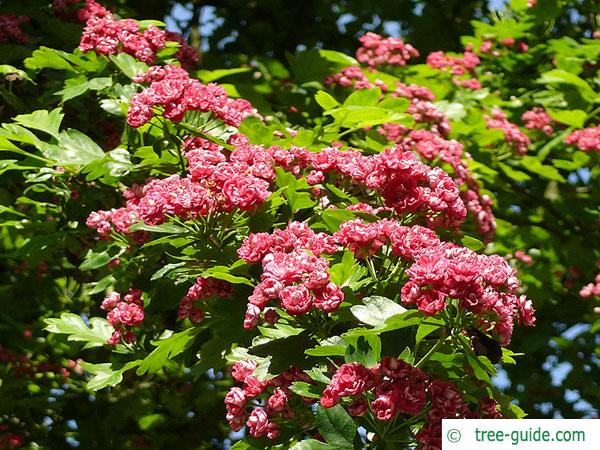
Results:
x,y
296,299
378,51
258,422
587,139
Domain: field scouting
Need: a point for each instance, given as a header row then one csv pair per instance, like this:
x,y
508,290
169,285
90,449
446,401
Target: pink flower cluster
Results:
x,y
411,91
426,112
484,285
472,84
107,36
521,256
512,134
277,398
538,119
203,289
587,139
353,77
216,183
124,314
591,289
10,28
406,184
448,403
378,51
299,280
73,11
172,89
431,147
456,65
399,388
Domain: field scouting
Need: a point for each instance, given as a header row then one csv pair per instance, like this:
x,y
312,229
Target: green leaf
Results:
x,y
5,69
306,389
47,58
74,87
348,272
165,269
472,243
514,174
534,165
96,335
364,97
376,310
325,100
42,120
169,228
74,149
357,117
165,350
308,444
224,273
242,445
333,346
128,64
406,319
334,217
426,327
94,260
561,78
104,375
336,426
365,350
338,58
208,76
151,420
291,188
574,117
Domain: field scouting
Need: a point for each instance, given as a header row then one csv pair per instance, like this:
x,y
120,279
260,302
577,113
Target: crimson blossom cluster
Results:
x,y
72,10
393,387
10,28
378,51
431,144
176,93
216,183
591,289
274,402
538,119
512,134
293,271
486,286
203,289
123,314
587,139
108,36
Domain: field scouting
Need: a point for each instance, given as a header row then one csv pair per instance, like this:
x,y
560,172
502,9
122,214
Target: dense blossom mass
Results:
x,y
10,28
123,314
587,139
512,134
172,89
203,289
538,119
379,51
108,36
